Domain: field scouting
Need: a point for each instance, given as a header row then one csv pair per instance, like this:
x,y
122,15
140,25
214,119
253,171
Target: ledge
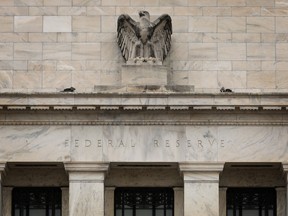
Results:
x,y
140,101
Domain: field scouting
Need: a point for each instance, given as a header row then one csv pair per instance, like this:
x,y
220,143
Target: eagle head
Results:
x,y
144,14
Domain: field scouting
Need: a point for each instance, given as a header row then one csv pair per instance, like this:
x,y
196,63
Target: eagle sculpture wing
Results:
x,y
128,34
161,37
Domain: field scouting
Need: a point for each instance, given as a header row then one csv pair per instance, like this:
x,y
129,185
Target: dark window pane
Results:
x,y
36,201
144,201
251,202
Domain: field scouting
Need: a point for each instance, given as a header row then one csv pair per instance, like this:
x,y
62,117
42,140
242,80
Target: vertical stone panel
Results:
x,y
178,201
281,201
65,201
7,201
109,201
201,188
222,201
86,188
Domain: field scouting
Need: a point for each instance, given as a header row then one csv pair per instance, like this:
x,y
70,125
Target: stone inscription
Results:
x,y
199,143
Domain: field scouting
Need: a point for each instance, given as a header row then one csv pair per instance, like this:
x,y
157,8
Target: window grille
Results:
x,y
36,201
251,202
144,202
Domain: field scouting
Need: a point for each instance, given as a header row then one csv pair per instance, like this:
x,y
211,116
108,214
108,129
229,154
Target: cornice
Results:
x,y
99,103
143,101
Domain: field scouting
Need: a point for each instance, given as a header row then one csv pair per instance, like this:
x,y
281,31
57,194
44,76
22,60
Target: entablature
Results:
x,y
143,109
144,101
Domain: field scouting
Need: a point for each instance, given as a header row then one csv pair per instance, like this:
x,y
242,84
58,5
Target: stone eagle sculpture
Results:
x,y
144,40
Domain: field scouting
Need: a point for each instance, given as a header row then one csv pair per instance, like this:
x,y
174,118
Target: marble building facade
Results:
x,y
143,127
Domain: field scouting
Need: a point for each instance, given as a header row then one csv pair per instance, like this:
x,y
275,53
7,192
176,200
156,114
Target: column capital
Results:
x,y
285,166
86,167
2,166
178,188
86,172
201,167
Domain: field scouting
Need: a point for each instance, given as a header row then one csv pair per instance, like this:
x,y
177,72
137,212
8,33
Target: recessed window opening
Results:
x,y
144,202
36,201
251,202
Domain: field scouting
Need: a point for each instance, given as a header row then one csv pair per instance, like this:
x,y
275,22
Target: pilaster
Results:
x,y
201,188
281,201
86,188
285,171
65,201
109,201
178,201
7,202
222,201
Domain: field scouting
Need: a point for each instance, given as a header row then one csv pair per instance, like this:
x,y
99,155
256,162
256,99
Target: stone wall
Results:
x,y
51,44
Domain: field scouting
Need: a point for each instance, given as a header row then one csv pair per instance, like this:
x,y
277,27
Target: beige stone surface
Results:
x,y
232,51
202,51
257,51
50,3
86,24
7,24
261,24
57,24
86,51
261,79
43,11
28,51
7,3
217,11
232,2
57,80
28,24
27,80
202,24
42,37
246,11
28,3
6,51
145,75
202,2
228,36
59,51
6,77
231,24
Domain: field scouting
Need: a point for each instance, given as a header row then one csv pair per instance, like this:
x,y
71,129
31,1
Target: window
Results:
x,y
251,202
36,201
144,202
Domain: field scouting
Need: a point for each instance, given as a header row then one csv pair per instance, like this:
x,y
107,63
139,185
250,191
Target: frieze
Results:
x,y
155,143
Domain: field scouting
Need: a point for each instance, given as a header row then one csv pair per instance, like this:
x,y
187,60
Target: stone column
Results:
x,y
86,188
109,201
65,201
178,201
201,188
222,201
7,201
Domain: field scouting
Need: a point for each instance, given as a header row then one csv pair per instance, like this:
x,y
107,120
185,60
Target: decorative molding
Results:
x,y
201,167
86,167
146,122
285,166
78,104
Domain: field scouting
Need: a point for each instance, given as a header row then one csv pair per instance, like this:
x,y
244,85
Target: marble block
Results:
x,y
144,75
